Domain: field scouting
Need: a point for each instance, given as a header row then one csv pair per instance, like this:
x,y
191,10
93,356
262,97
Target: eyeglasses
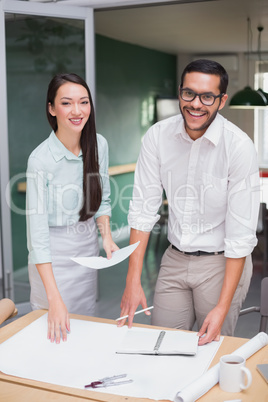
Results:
x,y
207,99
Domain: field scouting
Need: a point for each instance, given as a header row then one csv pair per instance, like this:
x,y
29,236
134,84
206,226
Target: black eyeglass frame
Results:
x,y
199,96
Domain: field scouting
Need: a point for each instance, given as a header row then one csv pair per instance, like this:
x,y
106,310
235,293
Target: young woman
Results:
x,y
67,201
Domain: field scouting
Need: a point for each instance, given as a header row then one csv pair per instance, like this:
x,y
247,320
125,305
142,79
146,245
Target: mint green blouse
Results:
x,y
54,192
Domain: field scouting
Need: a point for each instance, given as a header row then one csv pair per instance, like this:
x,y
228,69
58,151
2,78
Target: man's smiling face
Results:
x,y
197,117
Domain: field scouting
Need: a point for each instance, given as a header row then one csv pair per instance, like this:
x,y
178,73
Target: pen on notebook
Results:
x,y
137,312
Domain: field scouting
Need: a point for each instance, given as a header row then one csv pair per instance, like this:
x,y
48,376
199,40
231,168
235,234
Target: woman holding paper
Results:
x,y
67,200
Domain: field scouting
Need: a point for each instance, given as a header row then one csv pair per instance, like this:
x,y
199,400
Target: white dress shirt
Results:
x,y
212,187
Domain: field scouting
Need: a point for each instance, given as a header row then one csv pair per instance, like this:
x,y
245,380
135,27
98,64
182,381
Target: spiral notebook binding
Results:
x,y
159,341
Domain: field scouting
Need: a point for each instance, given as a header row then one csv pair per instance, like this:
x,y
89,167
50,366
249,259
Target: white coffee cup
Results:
x,y
233,374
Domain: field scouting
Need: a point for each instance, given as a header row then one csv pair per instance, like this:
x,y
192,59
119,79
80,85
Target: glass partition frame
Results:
x,y
34,9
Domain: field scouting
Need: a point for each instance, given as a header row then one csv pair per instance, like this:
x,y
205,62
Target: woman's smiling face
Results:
x,y
71,107
197,117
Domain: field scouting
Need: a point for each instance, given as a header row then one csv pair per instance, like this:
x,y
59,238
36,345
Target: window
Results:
x,y
261,115
261,128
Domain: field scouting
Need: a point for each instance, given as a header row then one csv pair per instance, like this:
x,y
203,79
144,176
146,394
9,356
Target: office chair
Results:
x,y
7,310
263,308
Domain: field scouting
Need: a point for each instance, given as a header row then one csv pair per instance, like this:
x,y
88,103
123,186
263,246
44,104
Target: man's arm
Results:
x,y
215,318
134,294
142,216
240,231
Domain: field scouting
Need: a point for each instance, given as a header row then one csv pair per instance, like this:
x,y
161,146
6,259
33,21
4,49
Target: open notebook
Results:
x,y
158,342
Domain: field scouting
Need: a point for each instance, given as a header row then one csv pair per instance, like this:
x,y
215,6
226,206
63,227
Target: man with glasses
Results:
x,y
209,171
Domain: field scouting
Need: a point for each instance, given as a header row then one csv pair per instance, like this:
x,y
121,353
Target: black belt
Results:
x,y
197,253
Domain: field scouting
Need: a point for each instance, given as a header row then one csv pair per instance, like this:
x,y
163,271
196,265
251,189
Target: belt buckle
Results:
x,y
195,253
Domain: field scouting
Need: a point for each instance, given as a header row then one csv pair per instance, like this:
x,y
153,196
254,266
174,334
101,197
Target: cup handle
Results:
x,y
249,378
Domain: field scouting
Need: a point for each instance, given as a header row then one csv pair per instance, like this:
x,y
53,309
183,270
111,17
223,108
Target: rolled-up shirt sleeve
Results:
x,y
148,189
38,242
105,207
243,202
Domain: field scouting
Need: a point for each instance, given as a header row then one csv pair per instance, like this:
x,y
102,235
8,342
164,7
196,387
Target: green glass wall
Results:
x,y
36,49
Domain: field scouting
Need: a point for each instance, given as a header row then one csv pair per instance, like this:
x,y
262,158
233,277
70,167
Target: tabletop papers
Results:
x,y
90,354
103,262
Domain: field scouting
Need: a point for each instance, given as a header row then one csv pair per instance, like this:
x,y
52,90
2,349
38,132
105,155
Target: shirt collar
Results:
x,y
212,134
214,131
59,151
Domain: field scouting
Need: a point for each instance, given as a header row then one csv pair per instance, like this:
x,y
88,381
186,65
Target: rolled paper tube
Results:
x,y
7,309
206,381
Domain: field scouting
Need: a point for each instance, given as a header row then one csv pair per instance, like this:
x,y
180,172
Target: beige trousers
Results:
x,y
188,287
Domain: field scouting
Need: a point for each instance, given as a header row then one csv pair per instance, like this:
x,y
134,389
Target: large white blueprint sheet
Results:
x,y
89,354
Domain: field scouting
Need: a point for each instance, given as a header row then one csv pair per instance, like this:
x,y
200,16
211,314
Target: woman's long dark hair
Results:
x,y
92,191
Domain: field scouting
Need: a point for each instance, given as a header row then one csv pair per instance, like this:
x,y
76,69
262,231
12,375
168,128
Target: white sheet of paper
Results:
x,y
103,262
89,354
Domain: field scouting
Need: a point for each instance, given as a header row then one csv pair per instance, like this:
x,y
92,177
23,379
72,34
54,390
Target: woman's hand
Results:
x,y
103,223
109,246
58,317
58,320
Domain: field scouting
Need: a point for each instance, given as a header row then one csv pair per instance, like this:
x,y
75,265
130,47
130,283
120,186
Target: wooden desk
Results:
x,y
14,389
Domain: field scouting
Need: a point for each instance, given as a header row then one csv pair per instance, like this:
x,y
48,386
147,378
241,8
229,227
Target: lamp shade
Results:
x,y
265,94
247,99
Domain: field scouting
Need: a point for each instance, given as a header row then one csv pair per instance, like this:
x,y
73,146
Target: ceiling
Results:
x,y
193,26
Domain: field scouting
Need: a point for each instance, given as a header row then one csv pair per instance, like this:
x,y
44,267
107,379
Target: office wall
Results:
x,y
128,78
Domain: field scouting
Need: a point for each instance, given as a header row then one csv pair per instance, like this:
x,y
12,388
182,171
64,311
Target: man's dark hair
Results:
x,y
207,67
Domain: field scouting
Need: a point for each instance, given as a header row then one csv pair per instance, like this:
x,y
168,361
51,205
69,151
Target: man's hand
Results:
x,y
132,297
214,320
211,326
134,294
